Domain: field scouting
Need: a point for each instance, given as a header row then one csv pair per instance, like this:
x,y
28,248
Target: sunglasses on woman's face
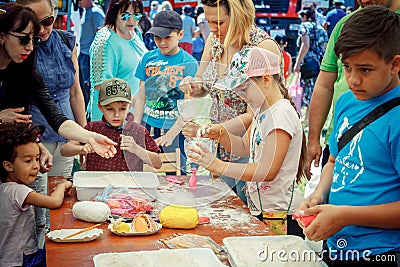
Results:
x,y
25,39
127,16
47,21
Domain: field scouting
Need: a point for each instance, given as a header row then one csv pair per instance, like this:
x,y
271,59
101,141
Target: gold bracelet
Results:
x,y
221,130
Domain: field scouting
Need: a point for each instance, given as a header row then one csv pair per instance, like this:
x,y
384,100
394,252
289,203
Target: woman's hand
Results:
x,y
14,114
102,145
190,129
201,155
191,86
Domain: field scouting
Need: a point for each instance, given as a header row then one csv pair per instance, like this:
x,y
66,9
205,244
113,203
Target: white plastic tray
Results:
x,y
250,251
58,235
165,257
146,181
131,233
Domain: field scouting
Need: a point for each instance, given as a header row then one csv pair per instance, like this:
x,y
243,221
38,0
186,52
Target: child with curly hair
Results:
x,y
19,158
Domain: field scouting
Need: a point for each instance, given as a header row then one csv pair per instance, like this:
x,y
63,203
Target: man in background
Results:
x,y
330,84
333,16
319,17
153,10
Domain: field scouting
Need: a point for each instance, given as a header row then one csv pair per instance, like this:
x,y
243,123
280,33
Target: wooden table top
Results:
x,y
229,217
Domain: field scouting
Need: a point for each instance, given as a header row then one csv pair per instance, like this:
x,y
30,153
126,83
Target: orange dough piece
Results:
x,y
141,225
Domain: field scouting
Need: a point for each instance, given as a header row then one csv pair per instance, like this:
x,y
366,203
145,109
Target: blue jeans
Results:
x,y
40,186
84,76
37,259
179,141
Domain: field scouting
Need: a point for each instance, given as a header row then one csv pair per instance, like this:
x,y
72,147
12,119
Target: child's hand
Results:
x,y
190,129
46,159
64,186
128,143
164,140
311,201
329,220
201,155
191,86
212,131
86,149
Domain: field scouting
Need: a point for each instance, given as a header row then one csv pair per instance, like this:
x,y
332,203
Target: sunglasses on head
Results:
x,y
47,21
39,128
127,16
25,39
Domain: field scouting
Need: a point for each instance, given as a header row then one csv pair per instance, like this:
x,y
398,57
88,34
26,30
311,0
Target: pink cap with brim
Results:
x,y
250,62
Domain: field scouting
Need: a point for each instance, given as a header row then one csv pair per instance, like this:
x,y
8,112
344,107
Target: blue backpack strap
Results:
x,y
64,38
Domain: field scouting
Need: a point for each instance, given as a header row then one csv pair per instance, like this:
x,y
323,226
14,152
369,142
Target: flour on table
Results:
x,y
163,257
229,219
290,251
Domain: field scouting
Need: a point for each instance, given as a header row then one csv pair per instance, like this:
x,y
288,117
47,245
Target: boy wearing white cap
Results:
x,y
135,145
273,143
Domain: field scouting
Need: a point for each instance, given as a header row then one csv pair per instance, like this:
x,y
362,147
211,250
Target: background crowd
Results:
x,y
111,95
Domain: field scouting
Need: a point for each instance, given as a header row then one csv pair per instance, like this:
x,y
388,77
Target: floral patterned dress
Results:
x,y
226,104
318,37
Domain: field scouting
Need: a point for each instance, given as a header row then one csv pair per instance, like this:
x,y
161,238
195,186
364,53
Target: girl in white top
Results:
x,y
274,142
19,158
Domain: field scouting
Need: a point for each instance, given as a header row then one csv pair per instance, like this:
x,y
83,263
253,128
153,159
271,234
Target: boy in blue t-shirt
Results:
x,y
360,184
160,72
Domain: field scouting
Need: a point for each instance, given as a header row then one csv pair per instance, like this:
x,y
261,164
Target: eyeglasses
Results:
x,y
25,39
241,90
47,21
127,16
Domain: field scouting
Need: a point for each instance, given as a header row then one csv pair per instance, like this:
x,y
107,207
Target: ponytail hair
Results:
x,y
303,156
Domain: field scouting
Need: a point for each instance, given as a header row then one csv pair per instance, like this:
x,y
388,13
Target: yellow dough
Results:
x,y
179,217
122,227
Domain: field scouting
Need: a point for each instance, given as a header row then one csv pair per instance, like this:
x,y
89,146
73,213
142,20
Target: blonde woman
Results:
x,y
232,29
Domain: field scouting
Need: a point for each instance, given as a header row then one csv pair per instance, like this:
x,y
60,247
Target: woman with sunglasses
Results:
x,y
21,86
56,60
116,49
232,29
